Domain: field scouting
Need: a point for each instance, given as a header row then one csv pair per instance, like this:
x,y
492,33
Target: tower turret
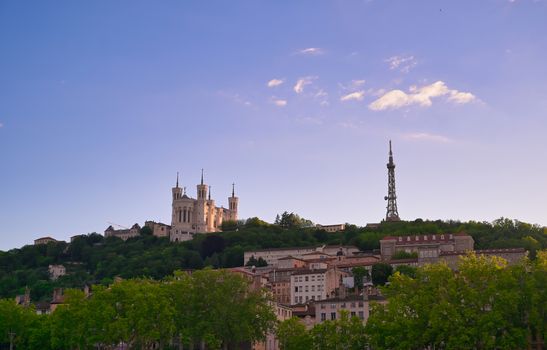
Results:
x,y
392,213
233,204
202,189
177,191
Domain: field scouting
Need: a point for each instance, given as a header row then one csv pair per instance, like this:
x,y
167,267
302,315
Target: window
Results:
x,y
313,288
352,304
323,316
323,306
306,278
333,306
343,305
307,298
360,304
361,315
353,314
296,289
296,300
333,315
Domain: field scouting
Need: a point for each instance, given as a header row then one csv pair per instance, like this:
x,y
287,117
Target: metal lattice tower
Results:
x,y
391,198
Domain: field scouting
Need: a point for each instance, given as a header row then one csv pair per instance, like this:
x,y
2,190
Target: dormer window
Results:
x,y
400,239
425,237
442,236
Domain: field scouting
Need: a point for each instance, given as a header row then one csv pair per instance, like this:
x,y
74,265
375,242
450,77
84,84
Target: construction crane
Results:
x,y
113,224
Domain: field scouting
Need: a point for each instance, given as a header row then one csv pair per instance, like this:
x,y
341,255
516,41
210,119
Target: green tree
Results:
x,y
380,273
344,333
486,305
292,335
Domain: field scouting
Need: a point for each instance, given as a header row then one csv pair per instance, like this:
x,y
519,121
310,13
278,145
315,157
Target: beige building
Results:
x,y
427,247
56,271
330,309
158,229
44,240
272,255
332,228
190,216
307,285
512,255
124,234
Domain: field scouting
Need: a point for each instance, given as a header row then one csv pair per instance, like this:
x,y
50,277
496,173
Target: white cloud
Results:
x,y
402,63
1,125
275,82
301,83
357,96
461,97
423,136
313,51
279,102
419,96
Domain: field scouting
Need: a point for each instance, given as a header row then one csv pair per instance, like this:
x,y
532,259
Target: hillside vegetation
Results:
x,y
93,259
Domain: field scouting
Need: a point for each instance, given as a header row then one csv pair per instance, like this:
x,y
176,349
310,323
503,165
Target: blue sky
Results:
x,y
102,102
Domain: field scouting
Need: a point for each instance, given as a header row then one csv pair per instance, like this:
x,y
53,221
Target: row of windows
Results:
x,y
309,278
306,289
333,315
300,299
343,305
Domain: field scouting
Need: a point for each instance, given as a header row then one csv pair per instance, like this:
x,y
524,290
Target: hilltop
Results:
x,y
93,258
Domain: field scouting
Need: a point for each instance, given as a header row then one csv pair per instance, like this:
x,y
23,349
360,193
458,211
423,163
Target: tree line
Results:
x,y
213,309
94,259
486,304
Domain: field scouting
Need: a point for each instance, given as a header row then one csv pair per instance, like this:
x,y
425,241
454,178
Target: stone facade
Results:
x,y
124,234
273,255
190,215
512,255
428,247
332,228
158,229
44,240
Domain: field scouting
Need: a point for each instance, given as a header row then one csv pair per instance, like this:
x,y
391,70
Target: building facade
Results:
x,y
198,215
44,240
307,285
124,234
427,247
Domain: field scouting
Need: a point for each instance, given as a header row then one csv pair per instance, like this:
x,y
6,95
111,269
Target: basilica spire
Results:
x,y
202,176
177,180
233,190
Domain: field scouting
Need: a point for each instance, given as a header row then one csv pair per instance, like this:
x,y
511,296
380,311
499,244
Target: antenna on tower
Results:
x,y
233,189
392,213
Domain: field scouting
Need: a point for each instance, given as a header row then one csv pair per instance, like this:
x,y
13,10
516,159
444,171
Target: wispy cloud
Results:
x,y
275,82
402,63
357,96
312,51
422,96
236,98
423,136
302,82
279,102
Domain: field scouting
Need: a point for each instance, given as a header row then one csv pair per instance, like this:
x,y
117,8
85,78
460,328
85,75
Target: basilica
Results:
x,y
191,215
